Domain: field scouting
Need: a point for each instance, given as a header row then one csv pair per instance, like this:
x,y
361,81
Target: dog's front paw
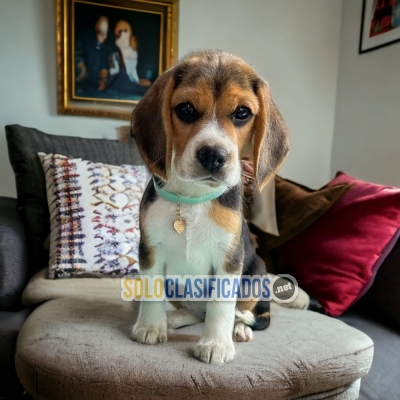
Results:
x,y
215,352
150,334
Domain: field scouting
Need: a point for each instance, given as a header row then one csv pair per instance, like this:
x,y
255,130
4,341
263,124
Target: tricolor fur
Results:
x,y
193,126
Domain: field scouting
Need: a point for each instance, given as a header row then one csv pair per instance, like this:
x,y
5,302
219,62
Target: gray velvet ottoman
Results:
x,y
78,347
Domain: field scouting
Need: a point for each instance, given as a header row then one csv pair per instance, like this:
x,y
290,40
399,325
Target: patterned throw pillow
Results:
x,y
94,216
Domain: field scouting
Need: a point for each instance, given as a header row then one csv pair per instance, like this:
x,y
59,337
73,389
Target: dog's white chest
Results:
x,y
201,246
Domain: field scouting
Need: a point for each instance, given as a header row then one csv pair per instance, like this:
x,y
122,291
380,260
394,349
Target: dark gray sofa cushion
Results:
x,y
10,324
382,381
13,255
383,298
23,146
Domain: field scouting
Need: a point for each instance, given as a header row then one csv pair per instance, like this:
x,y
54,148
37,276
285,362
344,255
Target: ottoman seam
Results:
x,y
349,354
331,395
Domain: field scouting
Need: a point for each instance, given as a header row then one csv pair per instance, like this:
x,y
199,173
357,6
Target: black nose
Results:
x,y
211,158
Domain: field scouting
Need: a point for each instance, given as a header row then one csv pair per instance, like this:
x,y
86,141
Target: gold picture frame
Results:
x,y
110,51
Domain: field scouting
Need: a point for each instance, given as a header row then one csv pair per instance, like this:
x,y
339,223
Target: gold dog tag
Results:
x,y
179,224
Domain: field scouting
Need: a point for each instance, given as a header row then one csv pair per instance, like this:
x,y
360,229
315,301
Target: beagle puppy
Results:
x,y
127,45
193,127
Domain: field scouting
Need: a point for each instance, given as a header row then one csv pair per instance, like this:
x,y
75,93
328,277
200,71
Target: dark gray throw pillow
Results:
x,y
382,301
23,146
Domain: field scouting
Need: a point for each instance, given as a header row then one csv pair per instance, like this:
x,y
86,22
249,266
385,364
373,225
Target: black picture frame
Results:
x,y
368,43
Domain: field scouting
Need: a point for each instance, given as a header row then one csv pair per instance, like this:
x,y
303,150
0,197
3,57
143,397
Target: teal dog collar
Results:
x,y
174,198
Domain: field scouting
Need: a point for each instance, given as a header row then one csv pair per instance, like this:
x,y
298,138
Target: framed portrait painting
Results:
x,y
110,52
380,24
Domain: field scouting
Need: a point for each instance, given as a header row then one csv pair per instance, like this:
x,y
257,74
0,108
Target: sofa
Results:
x,y
68,339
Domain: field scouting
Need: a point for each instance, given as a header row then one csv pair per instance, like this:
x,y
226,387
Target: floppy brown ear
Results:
x,y
151,125
271,140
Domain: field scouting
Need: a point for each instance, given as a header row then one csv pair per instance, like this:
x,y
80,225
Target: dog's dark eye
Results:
x,y
241,114
186,112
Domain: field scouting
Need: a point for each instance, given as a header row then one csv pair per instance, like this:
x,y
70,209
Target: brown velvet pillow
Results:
x,y
297,207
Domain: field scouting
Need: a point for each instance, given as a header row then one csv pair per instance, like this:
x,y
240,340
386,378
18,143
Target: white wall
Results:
x,y
293,44
28,80
366,143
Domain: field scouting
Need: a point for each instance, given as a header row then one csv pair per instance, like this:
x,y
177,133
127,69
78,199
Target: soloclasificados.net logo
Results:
x,y
280,288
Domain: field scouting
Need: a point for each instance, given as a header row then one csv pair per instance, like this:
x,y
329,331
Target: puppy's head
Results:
x,y
122,27
200,118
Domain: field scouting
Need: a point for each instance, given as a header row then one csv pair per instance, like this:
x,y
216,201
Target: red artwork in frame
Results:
x,y
380,24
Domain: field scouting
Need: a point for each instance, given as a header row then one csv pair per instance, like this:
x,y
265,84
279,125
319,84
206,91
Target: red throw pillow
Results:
x,y
337,257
